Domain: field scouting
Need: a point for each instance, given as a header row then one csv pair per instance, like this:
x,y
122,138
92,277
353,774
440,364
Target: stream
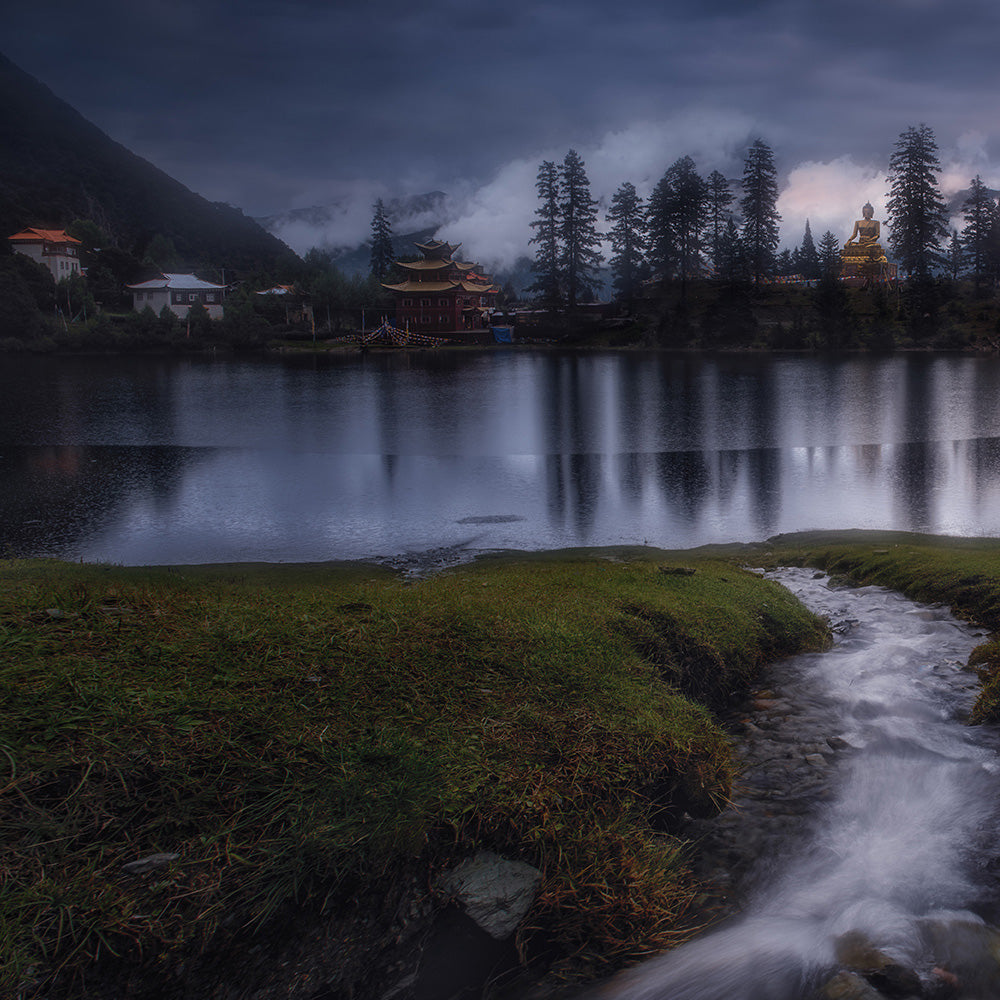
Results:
x,y
859,852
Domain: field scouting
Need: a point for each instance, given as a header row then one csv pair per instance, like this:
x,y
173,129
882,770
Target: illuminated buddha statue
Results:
x,y
866,230
862,257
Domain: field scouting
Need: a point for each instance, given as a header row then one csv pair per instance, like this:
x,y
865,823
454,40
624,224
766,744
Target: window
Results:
x,y
442,302
425,302
210,297
192,296
425,319
407,302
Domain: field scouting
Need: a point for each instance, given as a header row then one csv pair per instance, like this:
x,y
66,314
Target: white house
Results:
x,y
49,247
178,292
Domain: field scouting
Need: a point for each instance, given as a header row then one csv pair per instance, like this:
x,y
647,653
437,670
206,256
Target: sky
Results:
x,y
282,105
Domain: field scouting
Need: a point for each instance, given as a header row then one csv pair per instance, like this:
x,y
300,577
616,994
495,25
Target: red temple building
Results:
x,y
442,295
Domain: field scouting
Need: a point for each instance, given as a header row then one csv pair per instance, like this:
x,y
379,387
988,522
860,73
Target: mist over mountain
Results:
x,y
342,228
55,166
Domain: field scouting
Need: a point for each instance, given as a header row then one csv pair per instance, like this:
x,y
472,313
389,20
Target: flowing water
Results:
x,y
901,850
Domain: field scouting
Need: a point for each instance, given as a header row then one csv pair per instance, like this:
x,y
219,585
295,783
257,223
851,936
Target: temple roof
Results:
x,y
423,286
441,286
427,264
436,247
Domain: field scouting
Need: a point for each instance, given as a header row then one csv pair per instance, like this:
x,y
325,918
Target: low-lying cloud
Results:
x,y
492,221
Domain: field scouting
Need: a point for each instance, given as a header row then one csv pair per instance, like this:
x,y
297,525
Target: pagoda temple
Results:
x,y
441,294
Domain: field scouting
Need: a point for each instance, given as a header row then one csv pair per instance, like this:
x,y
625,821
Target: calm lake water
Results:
x,y
185,460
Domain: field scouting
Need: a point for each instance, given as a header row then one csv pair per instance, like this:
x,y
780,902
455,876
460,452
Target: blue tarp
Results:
x,y
503,334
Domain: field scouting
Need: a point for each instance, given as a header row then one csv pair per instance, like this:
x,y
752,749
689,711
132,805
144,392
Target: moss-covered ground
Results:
x,y
293,732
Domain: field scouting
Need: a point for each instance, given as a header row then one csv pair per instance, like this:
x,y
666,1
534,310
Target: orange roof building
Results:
x,y
441,294
50,247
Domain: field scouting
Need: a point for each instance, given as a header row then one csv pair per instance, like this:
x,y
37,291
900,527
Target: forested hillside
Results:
x,y
55,167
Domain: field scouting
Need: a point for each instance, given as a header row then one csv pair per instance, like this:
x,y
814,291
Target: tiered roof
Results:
x,y
449,274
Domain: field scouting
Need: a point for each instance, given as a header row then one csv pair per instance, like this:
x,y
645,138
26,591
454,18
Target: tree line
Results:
x,y
696,227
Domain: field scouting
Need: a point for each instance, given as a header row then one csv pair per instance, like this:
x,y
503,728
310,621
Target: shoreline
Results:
x,y
562,709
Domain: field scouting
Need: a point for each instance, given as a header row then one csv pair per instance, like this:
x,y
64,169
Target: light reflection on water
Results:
x,y
137,460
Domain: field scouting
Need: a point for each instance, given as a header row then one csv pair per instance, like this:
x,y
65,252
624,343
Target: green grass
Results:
x,y
292,732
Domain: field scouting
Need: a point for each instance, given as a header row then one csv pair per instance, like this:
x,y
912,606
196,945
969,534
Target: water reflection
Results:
x,y
190,460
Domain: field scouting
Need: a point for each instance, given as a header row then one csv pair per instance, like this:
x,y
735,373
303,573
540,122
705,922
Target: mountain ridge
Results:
x,y
56,166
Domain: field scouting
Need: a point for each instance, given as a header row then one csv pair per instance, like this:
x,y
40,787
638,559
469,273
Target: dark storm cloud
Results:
x,y
274,105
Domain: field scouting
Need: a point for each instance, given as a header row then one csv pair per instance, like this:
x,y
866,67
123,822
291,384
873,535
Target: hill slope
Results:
x,y
56,166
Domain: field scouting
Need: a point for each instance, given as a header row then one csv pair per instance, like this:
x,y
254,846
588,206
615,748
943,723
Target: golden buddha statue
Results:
x,y
862,255
866,229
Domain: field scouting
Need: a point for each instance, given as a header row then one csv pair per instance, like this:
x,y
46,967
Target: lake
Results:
x,y
162,460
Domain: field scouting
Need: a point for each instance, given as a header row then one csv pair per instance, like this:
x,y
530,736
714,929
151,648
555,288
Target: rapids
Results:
x,y
899,851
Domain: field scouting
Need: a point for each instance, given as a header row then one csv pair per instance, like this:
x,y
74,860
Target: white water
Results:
x,y
895,849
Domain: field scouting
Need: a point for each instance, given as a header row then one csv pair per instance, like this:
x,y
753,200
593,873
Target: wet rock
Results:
x,y
494,892
966,955
848,986
858,954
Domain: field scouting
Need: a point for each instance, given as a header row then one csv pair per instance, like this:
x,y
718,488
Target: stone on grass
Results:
x,y
494,892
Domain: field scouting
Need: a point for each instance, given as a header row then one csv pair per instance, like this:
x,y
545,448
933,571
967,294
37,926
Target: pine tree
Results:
x,y
720,197
981,218
730,262
916,210
808,258
628,241
660,237
830,262
686,212
760,214
784,263
579,257
546,225
382,255
830,298
955,256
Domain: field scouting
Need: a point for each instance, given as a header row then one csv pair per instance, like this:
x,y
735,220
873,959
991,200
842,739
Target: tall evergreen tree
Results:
x,y
719,198
808,258
954,260
785,263
382,255
579,257
660,237
731,262
981,219
830,262
916,210
546,225
830,297
684,211
628,241
759,208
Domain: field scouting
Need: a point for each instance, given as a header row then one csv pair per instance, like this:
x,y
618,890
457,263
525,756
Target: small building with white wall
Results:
x,y
51,248
178,292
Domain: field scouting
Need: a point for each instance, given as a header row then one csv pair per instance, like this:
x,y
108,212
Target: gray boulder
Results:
x,y
494,892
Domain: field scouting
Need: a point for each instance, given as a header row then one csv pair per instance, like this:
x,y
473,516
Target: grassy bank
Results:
x,y
288,736
963,573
